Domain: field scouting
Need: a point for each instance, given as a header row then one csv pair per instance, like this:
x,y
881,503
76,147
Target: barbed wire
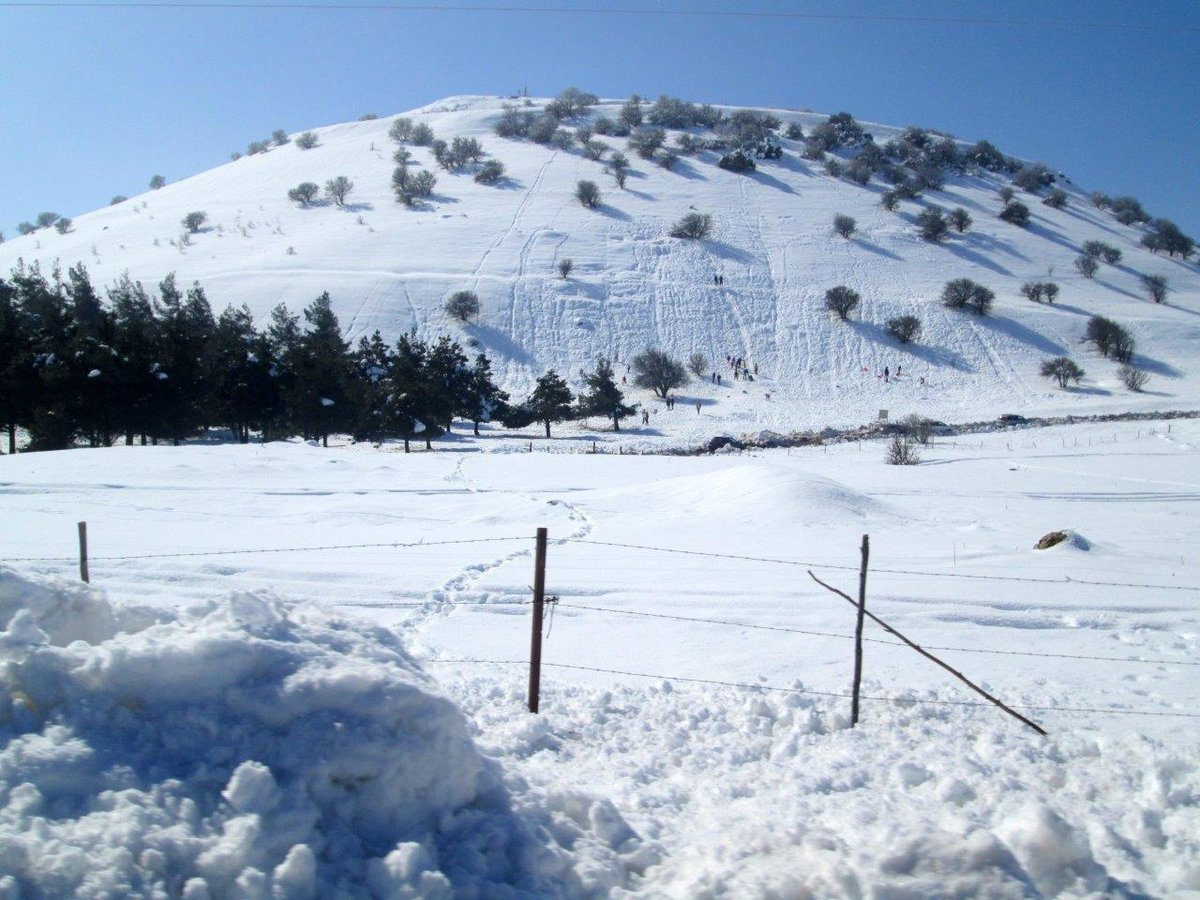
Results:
x,y
897,701
194,553
1065,580
850,637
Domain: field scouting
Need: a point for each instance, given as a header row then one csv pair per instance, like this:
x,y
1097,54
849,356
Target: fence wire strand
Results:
x,y
850,637
897,701
1065,580
386,544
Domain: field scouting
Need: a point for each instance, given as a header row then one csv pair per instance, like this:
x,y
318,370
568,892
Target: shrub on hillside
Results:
x,y
1110,338
1016,213
794,132
960,219
1133,378
462,305
279,137
844,225
1128,210
1086,265
1062,370
565,266
1056,199
656,370
1033,177
737,161
595,150
1166,235
338,189
697,363
490,172
693,226
1099,200
644,141
421,135
63,225
963,293
157,182
841,300
542,129
904,328
400,130
1006,194
933,225
571,102
194,220
119,198
306,140
889,201
587,193
1156,287
304,193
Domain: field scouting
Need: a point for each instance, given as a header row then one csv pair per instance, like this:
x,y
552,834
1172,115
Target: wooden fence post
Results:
x,y
83,559
539,600
858,631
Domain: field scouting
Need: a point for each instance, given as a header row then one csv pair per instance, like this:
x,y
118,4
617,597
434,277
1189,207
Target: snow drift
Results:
x,y
244,748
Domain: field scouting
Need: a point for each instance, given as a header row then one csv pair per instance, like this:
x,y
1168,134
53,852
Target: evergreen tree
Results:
x,y
373,389
136,337
483,401
18,379
448,376
186,330
551,400
320,397
603,397
47,324
245,393
411,409
283,339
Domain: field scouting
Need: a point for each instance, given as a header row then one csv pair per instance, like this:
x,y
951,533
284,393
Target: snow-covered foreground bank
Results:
x,y
216,741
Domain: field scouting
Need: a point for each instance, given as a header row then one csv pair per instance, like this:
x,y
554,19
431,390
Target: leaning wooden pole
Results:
x,y
858,631
83,556
959,675
539,602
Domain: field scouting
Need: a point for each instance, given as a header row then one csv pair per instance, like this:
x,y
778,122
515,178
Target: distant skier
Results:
x,y
885,375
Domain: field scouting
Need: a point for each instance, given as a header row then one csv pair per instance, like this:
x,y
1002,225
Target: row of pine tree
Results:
x,y
78,368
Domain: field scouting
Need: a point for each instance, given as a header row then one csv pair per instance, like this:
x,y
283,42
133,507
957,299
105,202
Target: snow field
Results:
x,y
626,785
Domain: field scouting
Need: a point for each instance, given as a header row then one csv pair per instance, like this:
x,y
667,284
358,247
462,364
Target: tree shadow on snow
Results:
x,y
358,207
685,169
612,212
729,252
874,248
770,181
501,344
1025,335
1155,366
978,258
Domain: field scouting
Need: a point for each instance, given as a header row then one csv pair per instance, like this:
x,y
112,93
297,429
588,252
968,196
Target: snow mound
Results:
x,y
247,749
766,493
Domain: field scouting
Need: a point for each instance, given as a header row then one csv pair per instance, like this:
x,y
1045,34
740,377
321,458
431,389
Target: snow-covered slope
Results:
x,y
390,268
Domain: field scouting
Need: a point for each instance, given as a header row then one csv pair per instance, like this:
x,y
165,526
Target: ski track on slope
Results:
x,y
518,214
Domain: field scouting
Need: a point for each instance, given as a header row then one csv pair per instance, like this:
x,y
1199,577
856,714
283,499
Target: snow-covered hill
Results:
x,y
389,267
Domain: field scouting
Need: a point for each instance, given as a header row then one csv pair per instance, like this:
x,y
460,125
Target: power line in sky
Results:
x,y
592,10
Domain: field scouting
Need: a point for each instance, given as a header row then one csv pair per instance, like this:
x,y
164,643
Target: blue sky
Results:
x,y
98,99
